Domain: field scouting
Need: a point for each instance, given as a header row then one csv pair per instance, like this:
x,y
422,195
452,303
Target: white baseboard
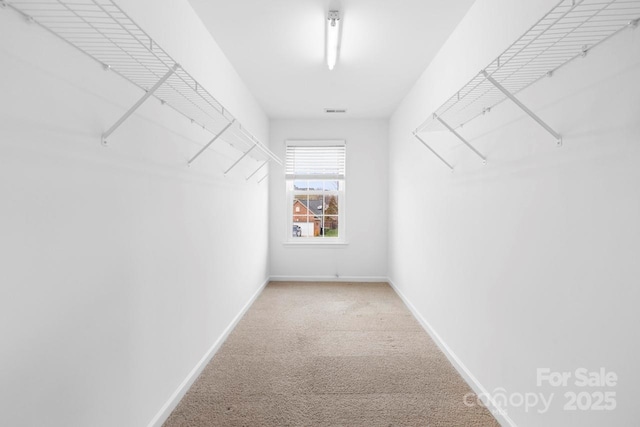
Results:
x,y
473,382
329,279
182,389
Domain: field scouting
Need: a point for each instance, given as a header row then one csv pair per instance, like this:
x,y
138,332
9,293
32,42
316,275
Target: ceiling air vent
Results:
x,y
335,110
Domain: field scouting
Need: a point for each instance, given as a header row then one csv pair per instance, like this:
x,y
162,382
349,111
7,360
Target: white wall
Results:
x,y
365,255
119,267
532,260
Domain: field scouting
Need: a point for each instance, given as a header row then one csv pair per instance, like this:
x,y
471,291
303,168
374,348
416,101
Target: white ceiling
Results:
x,y
277,47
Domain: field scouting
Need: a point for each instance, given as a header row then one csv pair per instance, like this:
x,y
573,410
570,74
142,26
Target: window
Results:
x,y
315,185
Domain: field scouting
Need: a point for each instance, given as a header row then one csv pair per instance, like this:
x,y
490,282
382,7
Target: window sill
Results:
x,y
315,243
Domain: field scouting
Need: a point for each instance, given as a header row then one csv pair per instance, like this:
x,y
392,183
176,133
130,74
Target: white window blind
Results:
x,y
315,160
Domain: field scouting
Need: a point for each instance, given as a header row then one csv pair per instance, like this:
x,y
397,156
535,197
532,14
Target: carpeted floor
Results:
x,y
328,354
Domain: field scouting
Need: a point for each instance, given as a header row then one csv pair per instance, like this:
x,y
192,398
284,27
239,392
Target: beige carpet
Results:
x,y
328,354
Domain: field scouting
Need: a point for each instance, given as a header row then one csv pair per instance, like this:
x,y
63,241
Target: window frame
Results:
x,y
291,193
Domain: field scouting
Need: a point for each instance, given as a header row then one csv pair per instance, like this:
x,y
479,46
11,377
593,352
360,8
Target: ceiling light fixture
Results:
x,y
333,38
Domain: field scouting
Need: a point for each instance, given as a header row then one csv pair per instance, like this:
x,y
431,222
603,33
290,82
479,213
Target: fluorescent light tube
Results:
x,y
333,38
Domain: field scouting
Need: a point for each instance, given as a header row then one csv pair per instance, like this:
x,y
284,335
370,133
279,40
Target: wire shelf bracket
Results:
x,y
570,30
464,141
218,135
137,105
433,151
103,31
524,108
257,170
239,160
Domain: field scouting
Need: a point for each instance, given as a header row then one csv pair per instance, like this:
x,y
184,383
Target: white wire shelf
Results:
x,y
103,31
568,31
